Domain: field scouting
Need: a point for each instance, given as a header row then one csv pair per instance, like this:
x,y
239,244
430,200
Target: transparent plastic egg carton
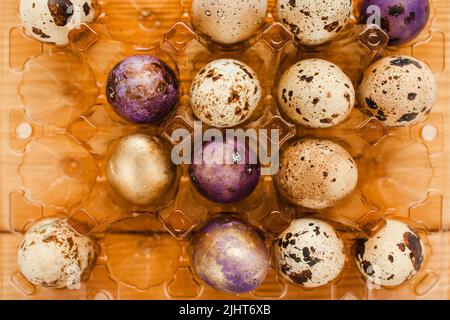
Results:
x,y
57,131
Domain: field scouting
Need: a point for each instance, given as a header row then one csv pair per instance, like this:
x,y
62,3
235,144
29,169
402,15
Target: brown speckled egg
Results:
x,y
52,255
398,91
309,253
140,169
314,22
315,173
52,20
225,93
228,22
392,256
316,93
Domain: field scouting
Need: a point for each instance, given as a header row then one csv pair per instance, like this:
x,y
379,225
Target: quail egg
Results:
x,y
230,255
226,173
228,22
316,93
402,20
309,253
52,20
140,169
392,256
314,22
142,89
398,91
52,255
225,93
316,173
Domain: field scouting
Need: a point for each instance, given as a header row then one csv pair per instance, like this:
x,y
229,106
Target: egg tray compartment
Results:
x,y
62,131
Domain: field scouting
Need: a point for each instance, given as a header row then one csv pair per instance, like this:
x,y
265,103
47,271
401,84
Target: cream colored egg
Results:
x,y
398,91
392,256
140,169
309,253
314,22
52,20
228,22
225,93
315,173
316,93
52,255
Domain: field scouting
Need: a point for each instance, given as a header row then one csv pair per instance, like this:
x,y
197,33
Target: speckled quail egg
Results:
x,y
309,253
316,173
316,93
51,20
398,91
52,255
140,169
392,256
225,93
314,22
228,22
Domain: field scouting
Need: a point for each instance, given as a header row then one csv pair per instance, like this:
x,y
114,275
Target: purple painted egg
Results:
x,y
230,256
225,170
142,89
402,20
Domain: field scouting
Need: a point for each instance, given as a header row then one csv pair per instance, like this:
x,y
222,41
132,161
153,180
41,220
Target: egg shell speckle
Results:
x,y
398,91
316,93
228,22
225,93
52,255
314,22
140,169
309,253
316,173
391,257
52,20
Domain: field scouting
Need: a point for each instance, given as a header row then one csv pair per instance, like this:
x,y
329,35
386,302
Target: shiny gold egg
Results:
x,y
140,169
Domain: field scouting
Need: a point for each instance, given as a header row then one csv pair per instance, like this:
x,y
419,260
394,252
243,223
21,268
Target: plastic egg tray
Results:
x,y
56,133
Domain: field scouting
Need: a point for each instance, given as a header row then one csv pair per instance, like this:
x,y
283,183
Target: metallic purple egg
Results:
x,y
142,89
228,171
402,20
230,256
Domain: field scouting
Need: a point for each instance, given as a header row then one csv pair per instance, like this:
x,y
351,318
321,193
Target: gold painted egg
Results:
x,y
140,169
